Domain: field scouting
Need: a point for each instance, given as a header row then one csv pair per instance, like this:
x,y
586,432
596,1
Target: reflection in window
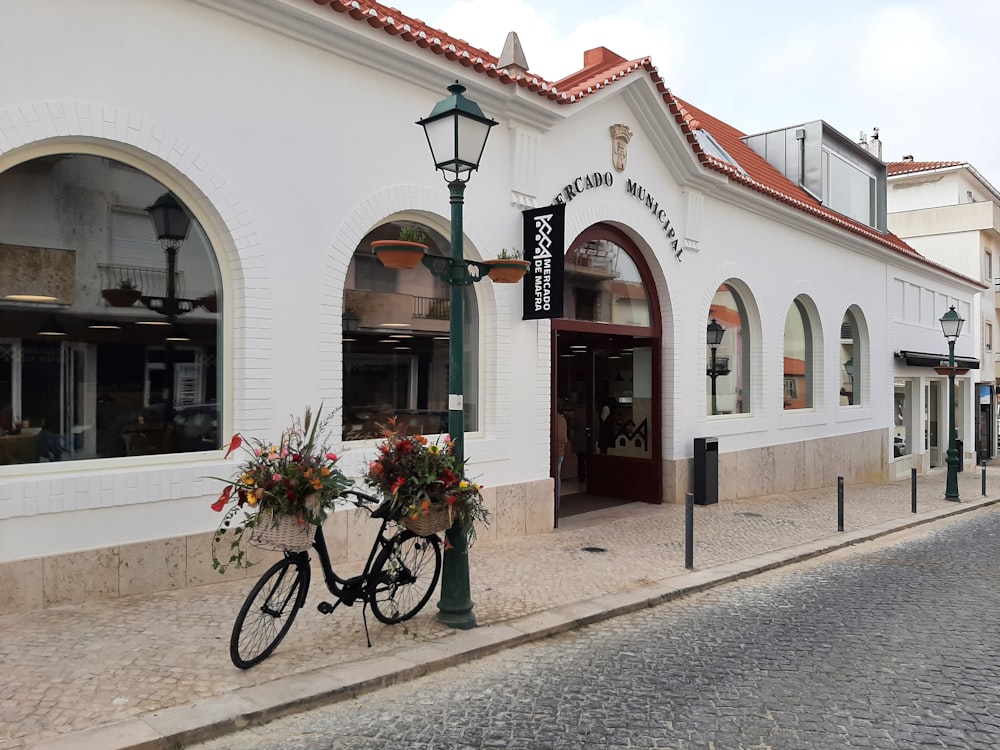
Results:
x,y
89,366
728,383
396,344
902,410
603,285
850,362
798,376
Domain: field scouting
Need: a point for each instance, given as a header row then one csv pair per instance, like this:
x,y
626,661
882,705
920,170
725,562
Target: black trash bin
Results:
x,y
960,451
706,470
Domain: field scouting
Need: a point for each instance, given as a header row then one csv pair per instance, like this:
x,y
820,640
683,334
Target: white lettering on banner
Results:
x,y
542,263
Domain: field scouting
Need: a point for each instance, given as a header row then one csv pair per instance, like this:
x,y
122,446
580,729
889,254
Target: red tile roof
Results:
x,y
602,68
904,167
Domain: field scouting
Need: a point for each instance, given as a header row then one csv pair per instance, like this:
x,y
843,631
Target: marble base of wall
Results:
x,y
859,458
167,564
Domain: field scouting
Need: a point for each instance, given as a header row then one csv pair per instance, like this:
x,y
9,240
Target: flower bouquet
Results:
x,y
425,484
284,491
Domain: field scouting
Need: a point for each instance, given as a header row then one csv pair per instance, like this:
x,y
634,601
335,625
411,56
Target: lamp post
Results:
x,y
171,223
456,131
849,369
951,325
713,336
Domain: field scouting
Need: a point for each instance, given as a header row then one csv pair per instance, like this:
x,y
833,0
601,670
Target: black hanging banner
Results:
x,y
544,249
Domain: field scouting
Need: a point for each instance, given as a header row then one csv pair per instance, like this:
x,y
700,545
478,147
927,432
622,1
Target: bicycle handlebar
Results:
x,y
362,499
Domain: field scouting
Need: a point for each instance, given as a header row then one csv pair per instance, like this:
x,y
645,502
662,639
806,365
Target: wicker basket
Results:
x,y
285,532
438,519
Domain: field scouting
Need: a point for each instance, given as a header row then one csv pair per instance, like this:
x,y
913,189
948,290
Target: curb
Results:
x,y
203,720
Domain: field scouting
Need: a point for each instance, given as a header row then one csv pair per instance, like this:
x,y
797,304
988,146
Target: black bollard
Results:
x,y
689,530
840,503
913,490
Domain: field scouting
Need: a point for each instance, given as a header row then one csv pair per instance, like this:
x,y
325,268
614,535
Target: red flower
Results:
x,y
223,500
397,485
234,444
448,478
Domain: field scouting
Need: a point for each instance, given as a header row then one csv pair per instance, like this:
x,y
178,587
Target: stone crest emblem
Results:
x,y
620,136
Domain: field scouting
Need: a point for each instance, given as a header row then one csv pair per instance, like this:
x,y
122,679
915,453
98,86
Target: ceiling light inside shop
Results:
x,y
30,298
395,325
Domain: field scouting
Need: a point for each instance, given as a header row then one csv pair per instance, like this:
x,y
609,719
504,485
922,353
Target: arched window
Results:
x,y
728,354
850,361
100,354
603,285
396,344
798,359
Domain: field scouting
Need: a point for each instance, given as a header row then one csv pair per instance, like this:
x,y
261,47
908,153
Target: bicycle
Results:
x,y
398,578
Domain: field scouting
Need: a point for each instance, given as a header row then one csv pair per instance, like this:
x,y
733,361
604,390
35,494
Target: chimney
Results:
x,y
512,58
908,157
875,145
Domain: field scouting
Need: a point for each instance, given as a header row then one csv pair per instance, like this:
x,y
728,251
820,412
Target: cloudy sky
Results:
x,y
924,72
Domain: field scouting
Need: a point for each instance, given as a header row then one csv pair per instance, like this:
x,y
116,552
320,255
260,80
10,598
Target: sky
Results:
x,y
926,73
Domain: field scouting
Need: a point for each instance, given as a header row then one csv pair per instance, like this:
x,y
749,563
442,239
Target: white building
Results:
x,y
949,212
286,129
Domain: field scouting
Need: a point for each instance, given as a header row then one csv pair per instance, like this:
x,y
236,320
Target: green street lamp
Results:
x,y
951,325
849,369
713,336
171,224
456,132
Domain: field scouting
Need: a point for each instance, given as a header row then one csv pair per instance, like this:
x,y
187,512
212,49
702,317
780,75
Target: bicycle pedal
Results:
x,y
325,608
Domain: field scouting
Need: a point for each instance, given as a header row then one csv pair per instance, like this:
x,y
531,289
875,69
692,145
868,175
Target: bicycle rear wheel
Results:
x,y
405,574
269,611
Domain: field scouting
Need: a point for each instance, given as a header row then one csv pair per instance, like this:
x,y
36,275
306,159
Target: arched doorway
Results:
x,y
606,367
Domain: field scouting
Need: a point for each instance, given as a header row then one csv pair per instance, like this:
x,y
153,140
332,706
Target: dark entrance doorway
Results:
x,y
606,366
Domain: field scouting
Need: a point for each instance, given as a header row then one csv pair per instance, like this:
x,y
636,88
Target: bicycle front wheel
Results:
x,y
269,611
405,574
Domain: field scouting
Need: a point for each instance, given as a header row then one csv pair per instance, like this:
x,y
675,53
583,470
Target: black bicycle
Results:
x,y
398,579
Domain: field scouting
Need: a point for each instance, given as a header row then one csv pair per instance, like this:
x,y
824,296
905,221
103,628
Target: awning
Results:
x,y
925,359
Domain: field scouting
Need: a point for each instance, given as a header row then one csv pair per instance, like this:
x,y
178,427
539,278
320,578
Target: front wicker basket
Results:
x,y
283,532
438,519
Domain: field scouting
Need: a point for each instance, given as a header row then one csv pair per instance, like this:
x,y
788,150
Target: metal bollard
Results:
x,y
840,503
984,478
913,490
689,530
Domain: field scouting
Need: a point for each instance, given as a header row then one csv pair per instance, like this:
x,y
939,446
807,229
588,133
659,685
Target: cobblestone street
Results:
x,y
888,646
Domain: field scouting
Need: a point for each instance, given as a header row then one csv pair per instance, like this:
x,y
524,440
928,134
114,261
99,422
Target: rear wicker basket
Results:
x,y
439,518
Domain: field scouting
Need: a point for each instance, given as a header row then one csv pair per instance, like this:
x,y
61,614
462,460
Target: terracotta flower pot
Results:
x,y
121,297
399,254
508,270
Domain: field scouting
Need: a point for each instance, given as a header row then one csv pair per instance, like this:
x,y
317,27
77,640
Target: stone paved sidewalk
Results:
x,y
101,674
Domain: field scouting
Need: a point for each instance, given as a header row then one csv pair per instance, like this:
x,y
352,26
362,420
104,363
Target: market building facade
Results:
x,y
674,225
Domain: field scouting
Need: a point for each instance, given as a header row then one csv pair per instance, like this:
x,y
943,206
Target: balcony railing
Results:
x,y
150,281
434,308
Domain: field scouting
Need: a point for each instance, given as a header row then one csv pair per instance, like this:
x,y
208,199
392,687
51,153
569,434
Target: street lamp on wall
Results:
x,y
951,326
713,337
456,131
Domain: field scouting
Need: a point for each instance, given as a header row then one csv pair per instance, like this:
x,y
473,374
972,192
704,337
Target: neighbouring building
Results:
x,y
286,131
950,213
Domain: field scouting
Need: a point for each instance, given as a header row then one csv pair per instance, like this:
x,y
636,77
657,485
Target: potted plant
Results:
x,y
210,302
124,295
508,267
425,484
404,253
283,490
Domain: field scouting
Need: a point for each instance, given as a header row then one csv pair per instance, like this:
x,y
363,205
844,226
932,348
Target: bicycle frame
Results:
x,y
350,590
